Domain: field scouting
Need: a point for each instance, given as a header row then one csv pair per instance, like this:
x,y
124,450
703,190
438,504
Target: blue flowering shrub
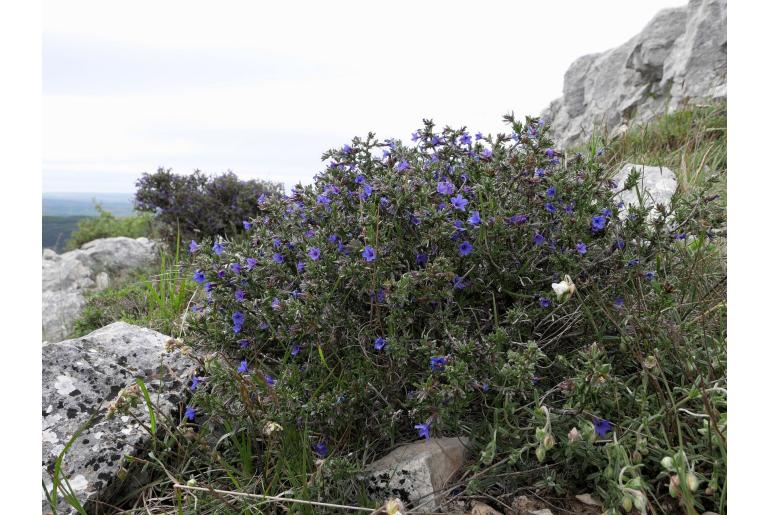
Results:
x,y
197,205
479,286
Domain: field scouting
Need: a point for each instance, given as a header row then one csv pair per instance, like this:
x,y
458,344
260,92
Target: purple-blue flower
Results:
x,y
402,165
649,275
421,259
369,254
320,449
487,153
346,149
457,282
550,207
250,263
300,266
243,368
247,225
295,349
244,343
602,427
236,268
193,246
380,343
475,218
323,199
549,153
479,136
199,277
551,192
581,248
314,253
239,295
459,202
618,302
423,430
544,302
195,383
518,219
437,362
189,413
465,248
445,187
270,380
238,321
278,258
538,238
465,139
598,222
275,304
218,248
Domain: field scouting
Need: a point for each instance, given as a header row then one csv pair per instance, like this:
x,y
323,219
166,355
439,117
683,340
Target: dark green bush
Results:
x,y
411,291
107,225
197,205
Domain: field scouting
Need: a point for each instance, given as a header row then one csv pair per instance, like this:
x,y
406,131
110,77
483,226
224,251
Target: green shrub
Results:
x,y
107,225
197,205
413,293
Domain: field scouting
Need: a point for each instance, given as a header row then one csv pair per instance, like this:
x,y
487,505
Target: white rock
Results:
x,y
680,56
657,185
417,472
66,277
78,384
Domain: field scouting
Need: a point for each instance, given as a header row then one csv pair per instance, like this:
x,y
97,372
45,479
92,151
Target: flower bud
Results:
x,y
692,481
540,453
636,457
673,486
573,435
628,503
549,441
668,463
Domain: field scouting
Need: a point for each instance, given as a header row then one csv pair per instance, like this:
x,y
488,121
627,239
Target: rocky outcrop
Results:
x,y
656,186
66,277
81,378
417,472
679,57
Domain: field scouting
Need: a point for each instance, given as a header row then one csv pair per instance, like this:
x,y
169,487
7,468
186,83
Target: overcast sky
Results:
x,y
264,88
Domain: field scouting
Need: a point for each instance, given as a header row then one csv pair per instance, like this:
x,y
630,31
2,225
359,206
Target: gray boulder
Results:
x,y
656,185
417,472
679,57
67,276
81,377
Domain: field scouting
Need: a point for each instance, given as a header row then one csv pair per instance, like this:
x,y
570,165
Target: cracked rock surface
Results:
x,y
80,379
68,276
679,57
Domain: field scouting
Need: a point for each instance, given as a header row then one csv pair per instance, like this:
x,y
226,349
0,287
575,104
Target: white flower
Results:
x,y
565,287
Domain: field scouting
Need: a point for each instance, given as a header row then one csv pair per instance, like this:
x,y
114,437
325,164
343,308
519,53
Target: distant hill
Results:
x,y
82,204
57,230
63,211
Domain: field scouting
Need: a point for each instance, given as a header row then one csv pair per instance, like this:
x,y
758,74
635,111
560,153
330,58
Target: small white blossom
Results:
x,y
565,287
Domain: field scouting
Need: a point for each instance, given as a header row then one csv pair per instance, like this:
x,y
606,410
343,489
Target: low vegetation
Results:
x,y
485,286
107,225
199,206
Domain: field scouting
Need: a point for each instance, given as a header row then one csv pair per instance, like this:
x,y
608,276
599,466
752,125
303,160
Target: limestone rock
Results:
x,y
66,277
680,56
80,379
417,472
657,184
